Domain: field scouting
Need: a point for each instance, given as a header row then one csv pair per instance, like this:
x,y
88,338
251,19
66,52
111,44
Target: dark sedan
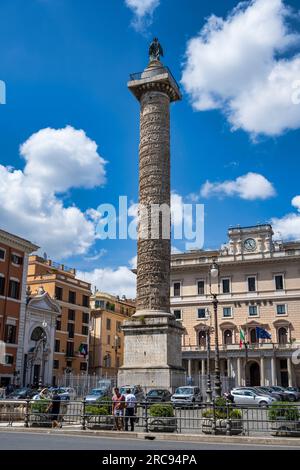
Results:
x,y
158,395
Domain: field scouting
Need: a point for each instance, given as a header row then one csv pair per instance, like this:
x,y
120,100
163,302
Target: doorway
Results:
x,y
254,374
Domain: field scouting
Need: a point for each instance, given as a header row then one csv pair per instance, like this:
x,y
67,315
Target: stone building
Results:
x,y
14,252
106,337
71,347
259,286
38,342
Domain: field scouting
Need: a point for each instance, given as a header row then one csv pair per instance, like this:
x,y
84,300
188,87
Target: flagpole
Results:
x,y
246,351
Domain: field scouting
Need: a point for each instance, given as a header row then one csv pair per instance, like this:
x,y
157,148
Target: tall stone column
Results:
x,y
152,338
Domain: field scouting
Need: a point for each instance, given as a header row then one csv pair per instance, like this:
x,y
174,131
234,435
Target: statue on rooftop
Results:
x,y
155,50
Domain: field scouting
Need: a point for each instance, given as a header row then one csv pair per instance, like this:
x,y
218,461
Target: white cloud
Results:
x,y
237,65
296,202
119,281
250,186
143,11
56,160
288,227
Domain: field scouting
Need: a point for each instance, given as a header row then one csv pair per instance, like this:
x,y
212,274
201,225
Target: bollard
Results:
x,y
214,424
146,416
83,423
26,421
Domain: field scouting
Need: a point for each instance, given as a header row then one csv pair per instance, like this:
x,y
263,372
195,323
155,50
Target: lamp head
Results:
x,y
214,270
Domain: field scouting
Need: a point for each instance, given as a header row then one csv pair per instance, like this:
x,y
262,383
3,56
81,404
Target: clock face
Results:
x,y
250,244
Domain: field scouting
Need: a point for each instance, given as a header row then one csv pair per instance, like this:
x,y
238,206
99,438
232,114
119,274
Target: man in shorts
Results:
x,y
118,409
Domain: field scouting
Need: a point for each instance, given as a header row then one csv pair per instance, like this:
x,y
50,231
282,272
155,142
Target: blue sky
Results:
x,y
235,135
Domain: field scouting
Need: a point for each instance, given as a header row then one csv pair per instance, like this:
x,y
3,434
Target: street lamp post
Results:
x,y
208,389
214,274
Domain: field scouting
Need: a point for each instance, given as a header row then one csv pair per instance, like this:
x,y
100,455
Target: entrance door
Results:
x,y
254,374
36,374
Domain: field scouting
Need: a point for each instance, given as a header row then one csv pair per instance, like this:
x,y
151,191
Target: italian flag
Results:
x,y
242,337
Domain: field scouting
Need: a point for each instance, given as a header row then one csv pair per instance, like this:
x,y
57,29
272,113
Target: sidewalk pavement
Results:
x,y
70,431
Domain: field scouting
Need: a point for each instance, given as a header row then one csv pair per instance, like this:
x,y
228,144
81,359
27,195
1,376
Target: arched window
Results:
x,y
253,338
37,334
202,339
228,337
282,335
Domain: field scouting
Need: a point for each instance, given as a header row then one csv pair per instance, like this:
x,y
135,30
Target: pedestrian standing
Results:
x,y
130,409
118,409
54,409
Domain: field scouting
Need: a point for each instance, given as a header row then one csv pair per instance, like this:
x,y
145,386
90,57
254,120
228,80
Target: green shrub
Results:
x,y
101,410
221,407
163,411
40,406
283,410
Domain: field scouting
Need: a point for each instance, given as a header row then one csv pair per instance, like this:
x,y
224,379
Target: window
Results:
x,y
176,289
9,359
200,287
108,324
69,364
253,339
85,300
201,312
14,289
15,259
83,366
57,345
177,314
2,285
58,293
71,315
85,317
282,336
108,339
119,326
253,311
71,330
202,339
251,284
227,312
226,286
55,364
279,282
10,334
228,337
281,309
58,324
85,330
72,297
70,349
2,254
99,304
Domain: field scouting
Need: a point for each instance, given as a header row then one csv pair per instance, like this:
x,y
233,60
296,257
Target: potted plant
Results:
x,y
161,418
285,419
98,415
38,413
222,418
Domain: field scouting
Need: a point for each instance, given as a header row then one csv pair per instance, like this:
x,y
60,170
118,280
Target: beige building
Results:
x,y
71,346
106,338
258,286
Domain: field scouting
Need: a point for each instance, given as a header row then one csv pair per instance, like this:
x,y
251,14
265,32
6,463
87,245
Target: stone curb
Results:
x,y
280,441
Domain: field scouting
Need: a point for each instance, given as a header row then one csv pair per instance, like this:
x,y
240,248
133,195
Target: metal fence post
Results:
x,y
214,424
26,421
83,416
146,417
228,420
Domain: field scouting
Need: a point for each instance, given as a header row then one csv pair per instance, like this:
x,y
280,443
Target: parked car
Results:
x,y
158,395
95,395
22,393
294,389
248,397
65,393
135,389
186,396
268,391
287,394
